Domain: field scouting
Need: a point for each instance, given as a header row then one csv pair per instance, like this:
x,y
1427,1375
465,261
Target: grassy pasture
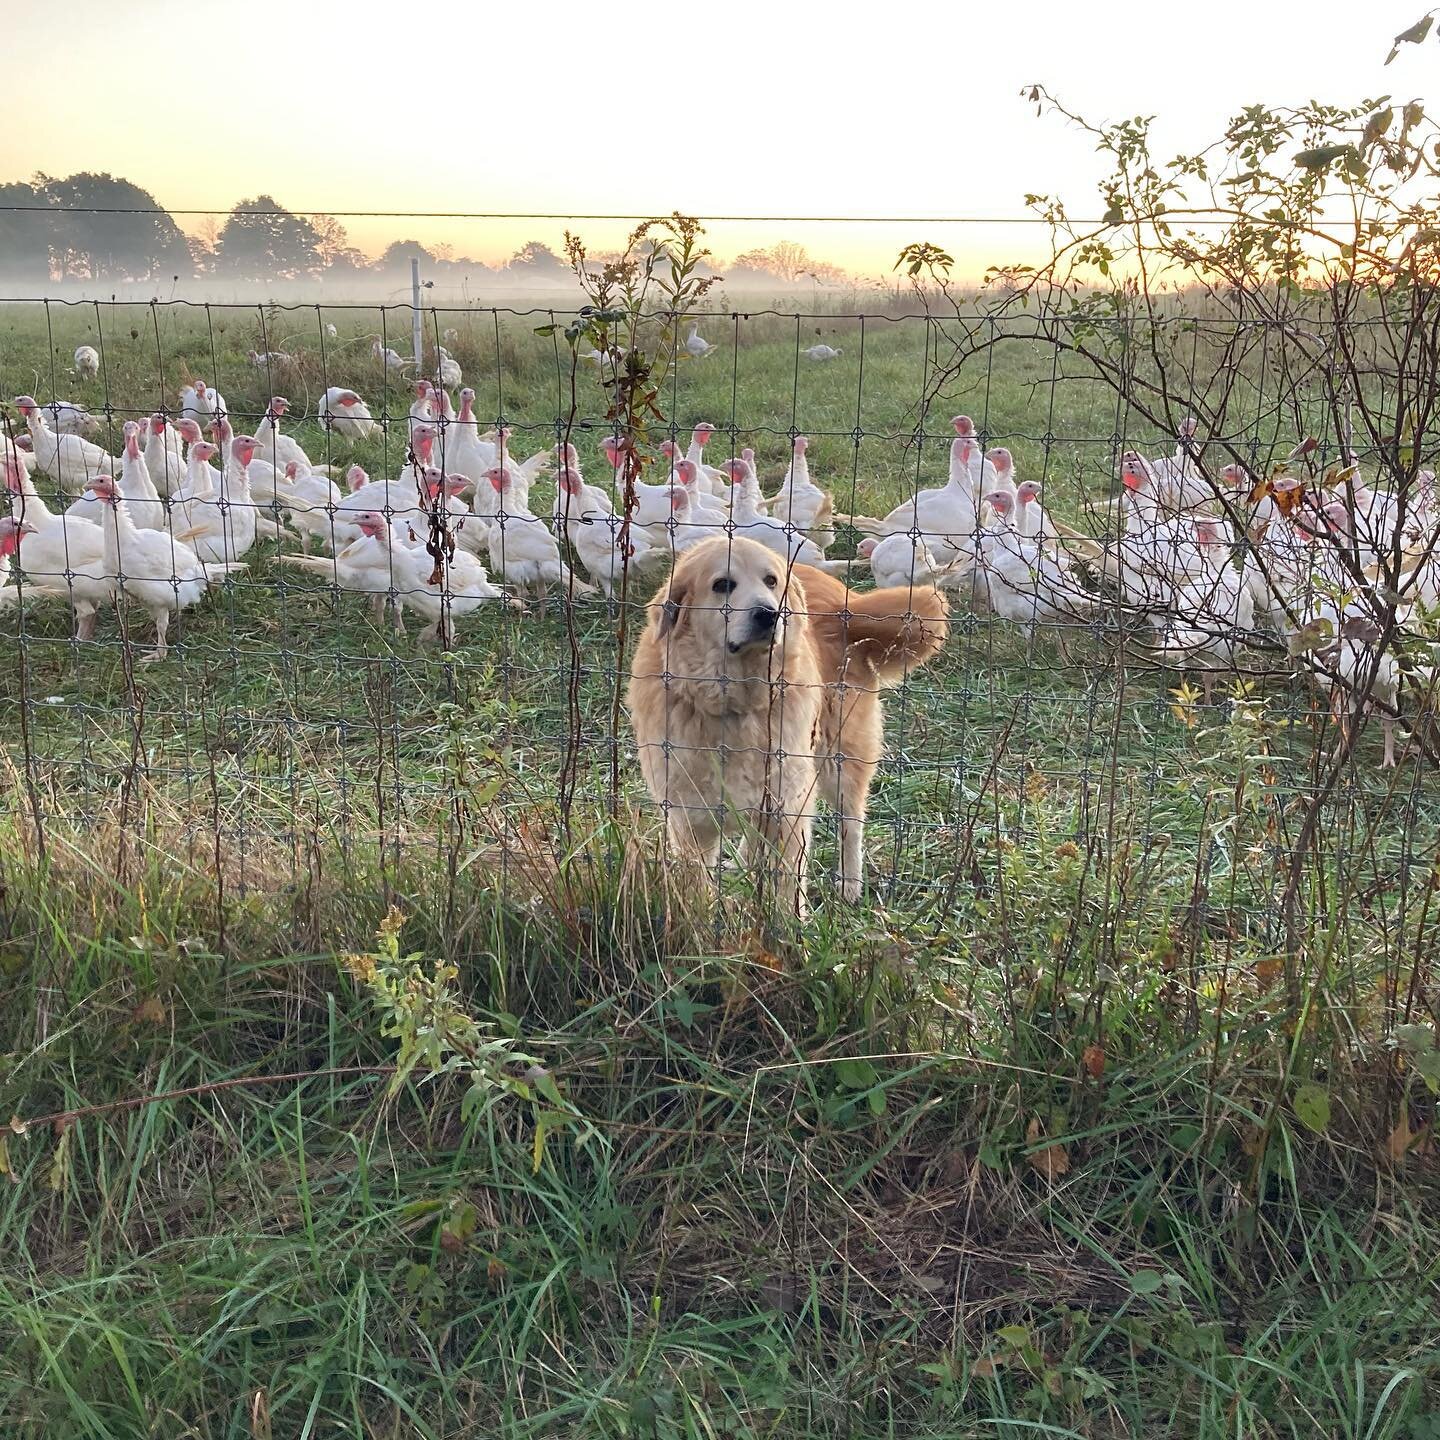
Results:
x,y
1028,1144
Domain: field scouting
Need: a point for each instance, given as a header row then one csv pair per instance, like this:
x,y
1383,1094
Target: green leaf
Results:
x,y
1320,158
856,1074
1312,635
1415,35
1415,1039
1017,1337
1185,1137
1146,1282
1311,1104
1427,1067
545,1121
546,329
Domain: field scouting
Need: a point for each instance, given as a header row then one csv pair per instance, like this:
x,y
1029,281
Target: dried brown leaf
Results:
x,y
1051,1161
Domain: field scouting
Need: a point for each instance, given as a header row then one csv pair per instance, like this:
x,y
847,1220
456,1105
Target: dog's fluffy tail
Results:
x,y
895,630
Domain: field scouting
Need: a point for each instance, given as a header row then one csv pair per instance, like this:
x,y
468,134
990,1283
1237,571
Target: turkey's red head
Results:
x,y
11,533
1133,472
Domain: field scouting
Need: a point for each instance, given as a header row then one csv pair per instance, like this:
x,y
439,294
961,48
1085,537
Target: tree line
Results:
x,y
95,227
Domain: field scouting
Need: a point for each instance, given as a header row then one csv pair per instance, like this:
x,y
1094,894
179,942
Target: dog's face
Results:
x,y
730,596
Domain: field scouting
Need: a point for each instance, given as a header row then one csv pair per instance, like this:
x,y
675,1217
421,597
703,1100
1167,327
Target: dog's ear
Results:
x,y
672,608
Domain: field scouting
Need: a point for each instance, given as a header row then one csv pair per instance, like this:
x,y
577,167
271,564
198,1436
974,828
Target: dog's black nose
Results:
x,y
765,617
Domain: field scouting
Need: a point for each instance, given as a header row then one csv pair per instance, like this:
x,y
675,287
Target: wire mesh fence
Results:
x,y
1126,661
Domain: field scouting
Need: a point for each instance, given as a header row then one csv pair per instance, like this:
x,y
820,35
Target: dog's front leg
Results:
x,y
851,796
788,825
695,842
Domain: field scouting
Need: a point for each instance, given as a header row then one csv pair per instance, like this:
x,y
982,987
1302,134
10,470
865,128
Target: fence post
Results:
x,y
415,327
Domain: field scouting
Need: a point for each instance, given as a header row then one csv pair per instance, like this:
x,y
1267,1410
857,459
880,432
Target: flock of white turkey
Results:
x,y
161,522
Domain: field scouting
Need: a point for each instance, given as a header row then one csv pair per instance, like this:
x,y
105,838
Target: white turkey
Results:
x,y
1211,612
576,501
687,525
717,480
998,474
802,503
605,546
87,362
152,568
65,417
947,517
450,373
904,561
389,358
280,450
523,550
694,346
198,402
344,412
164,458
309,502
821,353
522,474
142,499
385,563
223,526
69,460
1018,578
751,522
270,359
64,559
704,506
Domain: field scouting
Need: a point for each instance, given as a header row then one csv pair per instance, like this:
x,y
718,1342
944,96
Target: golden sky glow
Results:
x,y
745,108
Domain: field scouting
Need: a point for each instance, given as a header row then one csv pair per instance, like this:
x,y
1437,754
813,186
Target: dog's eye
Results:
x,y
771,581
723,587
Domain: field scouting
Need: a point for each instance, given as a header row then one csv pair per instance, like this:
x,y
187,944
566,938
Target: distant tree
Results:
x,y
399,253
24,237
333,245
536,255
202,242
138,245
261,240
789,263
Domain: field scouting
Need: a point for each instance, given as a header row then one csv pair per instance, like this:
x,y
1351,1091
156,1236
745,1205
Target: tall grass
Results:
x,y
1055,1136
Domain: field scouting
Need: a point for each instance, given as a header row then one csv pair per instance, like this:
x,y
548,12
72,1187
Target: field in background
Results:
x,y
1029,1144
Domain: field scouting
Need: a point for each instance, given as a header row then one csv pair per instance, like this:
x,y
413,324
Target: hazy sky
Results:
x,y
742,108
